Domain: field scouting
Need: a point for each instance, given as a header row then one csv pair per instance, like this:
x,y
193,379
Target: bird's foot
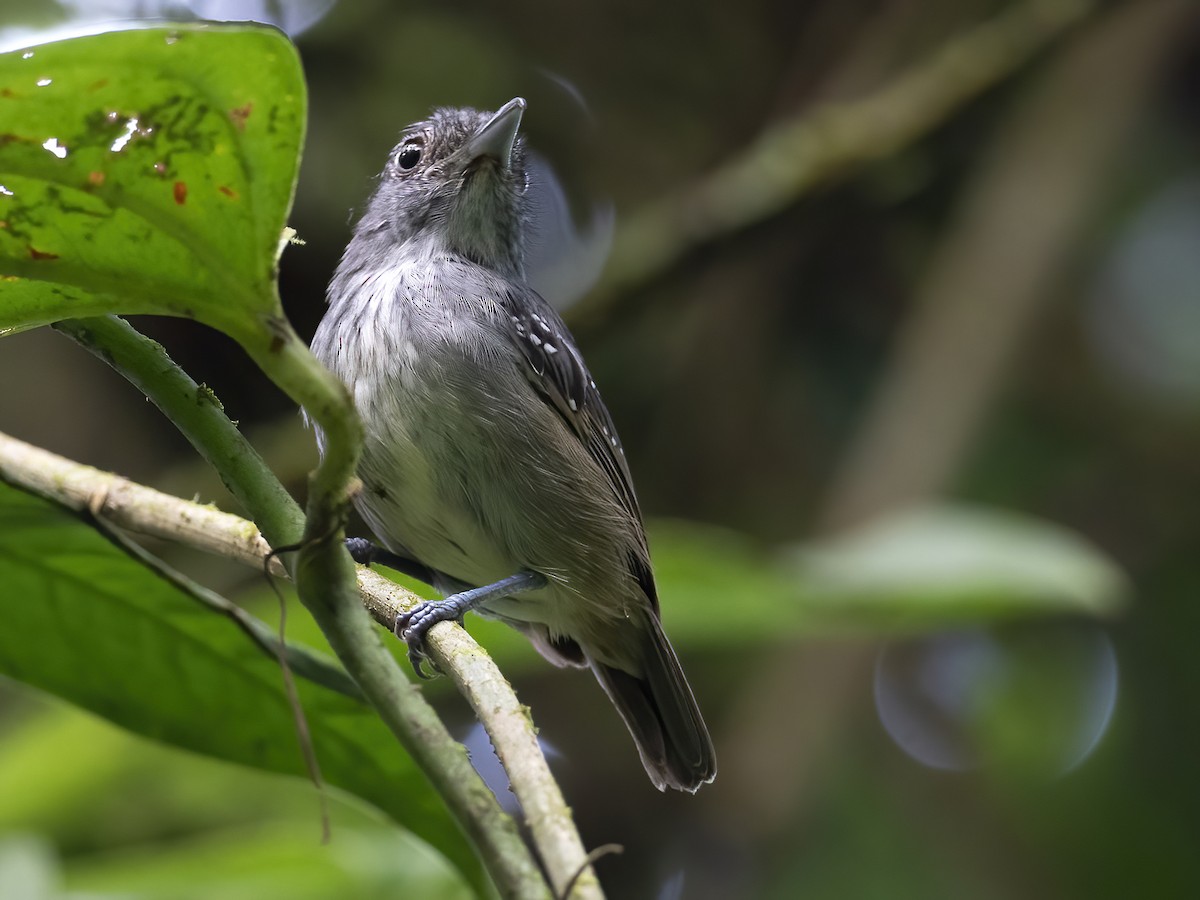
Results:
x,y
413,626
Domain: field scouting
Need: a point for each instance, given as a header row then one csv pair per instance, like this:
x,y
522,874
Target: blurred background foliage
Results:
x,y
900,421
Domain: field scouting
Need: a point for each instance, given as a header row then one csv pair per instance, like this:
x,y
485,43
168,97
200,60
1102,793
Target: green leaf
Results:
x,y
923,569
939,566
271,860
148,171
84,621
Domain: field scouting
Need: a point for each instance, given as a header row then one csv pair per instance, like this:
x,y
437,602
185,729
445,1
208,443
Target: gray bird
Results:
x,y
491,467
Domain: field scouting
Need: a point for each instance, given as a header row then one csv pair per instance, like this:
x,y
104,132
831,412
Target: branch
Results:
x,y
143,510
511,730
794,155
149,513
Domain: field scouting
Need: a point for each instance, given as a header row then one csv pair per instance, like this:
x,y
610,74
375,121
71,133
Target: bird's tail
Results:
x,y
661,713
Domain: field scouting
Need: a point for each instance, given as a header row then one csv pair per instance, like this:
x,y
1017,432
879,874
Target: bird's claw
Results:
x,y
413,626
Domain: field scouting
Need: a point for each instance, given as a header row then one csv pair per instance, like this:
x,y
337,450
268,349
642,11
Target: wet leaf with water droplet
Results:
x,y
157,181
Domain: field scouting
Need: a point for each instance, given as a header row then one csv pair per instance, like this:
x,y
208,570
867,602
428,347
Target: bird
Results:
x,y
491,467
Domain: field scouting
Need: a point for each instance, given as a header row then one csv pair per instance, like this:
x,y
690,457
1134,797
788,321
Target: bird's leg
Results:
x,y
412,626
364,553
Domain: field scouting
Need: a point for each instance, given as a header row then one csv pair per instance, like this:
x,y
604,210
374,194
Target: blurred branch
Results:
x,y
794,155
148,512
1014,231
996,268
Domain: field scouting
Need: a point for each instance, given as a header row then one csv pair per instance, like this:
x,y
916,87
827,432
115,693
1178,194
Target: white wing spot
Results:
x,y
574,406
537,341
550,348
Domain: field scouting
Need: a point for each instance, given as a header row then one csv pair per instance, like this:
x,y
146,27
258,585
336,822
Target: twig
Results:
x,y
131,506
511,730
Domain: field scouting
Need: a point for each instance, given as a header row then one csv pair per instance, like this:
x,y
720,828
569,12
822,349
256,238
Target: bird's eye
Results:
x,y
408,157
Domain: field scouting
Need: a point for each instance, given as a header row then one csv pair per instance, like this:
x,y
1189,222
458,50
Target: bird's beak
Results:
x,y
497,137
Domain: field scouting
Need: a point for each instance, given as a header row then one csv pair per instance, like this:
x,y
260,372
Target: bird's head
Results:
x,y
456,183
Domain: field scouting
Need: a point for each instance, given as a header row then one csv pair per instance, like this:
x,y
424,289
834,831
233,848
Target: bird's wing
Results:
x,y
555,368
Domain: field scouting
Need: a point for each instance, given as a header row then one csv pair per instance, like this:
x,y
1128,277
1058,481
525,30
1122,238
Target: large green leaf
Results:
x,y
84,621
148,171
